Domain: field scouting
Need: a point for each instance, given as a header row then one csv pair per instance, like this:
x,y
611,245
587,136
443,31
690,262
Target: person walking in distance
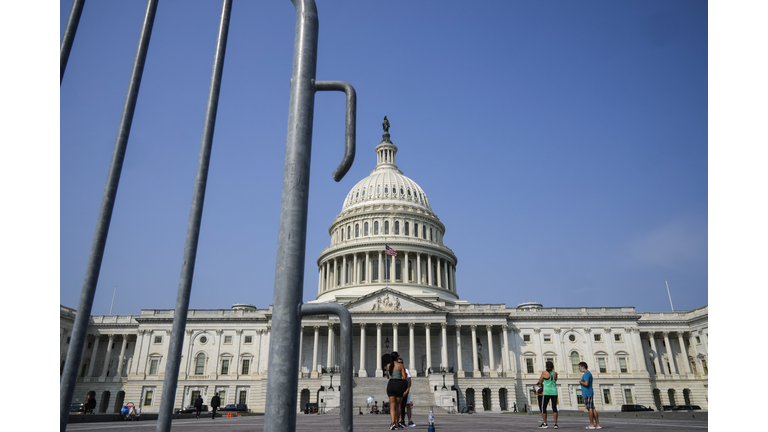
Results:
x,y
396,387
588,394
514,406
215,404
549,380
198,406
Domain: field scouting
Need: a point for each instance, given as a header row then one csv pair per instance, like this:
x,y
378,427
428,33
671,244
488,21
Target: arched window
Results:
x,y
386,190
363,193
200,364
406,229
376,270
430,234
398,272
376,228
386,227
349,233
575,359
365,229
397,227
401,191
357,230
410,271
424,232
415,230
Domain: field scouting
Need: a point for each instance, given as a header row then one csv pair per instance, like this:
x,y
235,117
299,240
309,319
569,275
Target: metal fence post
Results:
x,y
69,35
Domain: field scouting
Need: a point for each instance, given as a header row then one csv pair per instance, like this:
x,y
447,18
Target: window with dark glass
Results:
x,y
430,234
386,269
397,227
246,367
415,230
410,271
357,230
406,229
365,229
386,227
362,270
398,272
349,232
225,367
376,270
376,228
200,364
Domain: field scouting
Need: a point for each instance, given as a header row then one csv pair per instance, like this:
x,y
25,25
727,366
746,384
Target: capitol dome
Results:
x,y
386,209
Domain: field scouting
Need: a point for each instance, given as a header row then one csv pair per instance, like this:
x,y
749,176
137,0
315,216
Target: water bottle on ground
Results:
x,y
431,420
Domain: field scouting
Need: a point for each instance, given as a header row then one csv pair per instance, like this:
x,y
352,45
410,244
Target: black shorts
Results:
x,y
545,402
396,387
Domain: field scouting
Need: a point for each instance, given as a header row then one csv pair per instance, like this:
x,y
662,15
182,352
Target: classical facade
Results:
x,y
405,300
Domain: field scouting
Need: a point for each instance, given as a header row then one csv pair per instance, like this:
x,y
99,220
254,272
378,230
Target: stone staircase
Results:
x,y
422,396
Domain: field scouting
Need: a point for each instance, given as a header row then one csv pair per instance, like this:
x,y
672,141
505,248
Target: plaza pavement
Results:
x,y
364,423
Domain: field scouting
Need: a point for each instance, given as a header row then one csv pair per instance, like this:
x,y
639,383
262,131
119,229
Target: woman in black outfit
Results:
x,y
395,388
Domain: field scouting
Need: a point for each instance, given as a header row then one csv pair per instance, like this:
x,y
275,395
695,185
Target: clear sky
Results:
x,y
563,144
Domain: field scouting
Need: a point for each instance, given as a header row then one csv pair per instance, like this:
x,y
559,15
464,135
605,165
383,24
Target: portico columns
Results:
x,y
320,278
453,277
379,372
119,372
439,272
105,369
329,360
367,267
444,350
363,373
335,273
459,371
345,271
93,355
355,273
429,270
475,371
490,349
429,347
406,267
301,346
412,350
652,339
684,351
381,275
394,337
505,349
314,352
392,273
670,355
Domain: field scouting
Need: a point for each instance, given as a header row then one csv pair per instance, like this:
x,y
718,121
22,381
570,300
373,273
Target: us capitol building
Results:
x,y
460,353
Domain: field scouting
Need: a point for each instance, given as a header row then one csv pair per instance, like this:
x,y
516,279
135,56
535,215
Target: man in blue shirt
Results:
x,y
588,394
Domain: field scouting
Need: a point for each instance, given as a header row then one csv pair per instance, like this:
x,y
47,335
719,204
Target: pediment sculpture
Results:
x,y
386,304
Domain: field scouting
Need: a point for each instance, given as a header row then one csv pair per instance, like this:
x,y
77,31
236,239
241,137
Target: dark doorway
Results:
x,y
119,399
487,399
671,394
104,402
687,396
471,399
503,399
657,399
304,399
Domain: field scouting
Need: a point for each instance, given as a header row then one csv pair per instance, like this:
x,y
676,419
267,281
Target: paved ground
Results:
x,y
445,423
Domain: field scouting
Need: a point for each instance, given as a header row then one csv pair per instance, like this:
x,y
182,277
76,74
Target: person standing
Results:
x,y
198,406
215,404
514,406
396,387
548,379
589,396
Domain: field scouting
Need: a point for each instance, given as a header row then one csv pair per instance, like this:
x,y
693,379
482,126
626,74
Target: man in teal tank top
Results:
x,y
548,380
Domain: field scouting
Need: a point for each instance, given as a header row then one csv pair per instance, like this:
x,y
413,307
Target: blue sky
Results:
x,y
563,144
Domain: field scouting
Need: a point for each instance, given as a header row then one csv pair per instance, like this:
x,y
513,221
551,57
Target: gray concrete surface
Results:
x,y
444,423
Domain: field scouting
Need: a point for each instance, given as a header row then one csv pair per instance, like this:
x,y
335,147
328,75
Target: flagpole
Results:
x,y
670,295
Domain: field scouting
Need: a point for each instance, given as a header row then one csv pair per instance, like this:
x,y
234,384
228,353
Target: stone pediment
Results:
x,y
388,300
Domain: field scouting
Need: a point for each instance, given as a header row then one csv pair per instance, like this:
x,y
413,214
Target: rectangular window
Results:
x,y
579,397
415,230
698,340
526,338
547,338
148,398
386,227
693,367
406,228
223,396
534,399
249,339
704,366
628,397
246,367
617,337
607,396
601,365
397,227
243,397
529,365
227,339
225,367
158,339
598,337
153,367
623,364
195,394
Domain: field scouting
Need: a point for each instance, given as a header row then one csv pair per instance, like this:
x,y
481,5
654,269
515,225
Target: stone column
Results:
x,y
406,268
301,348
476,371
320,279
412,349
355,272
363,373
314,352
637,342
428,347
186,353
261,335
329,354
460,370
238,360
612,367
392,274
491,362
429,270
418,268
367,267
652,339
670,353
379,372
335,281
394,338
444,348
105,368
631,357
345,271
138,350
684,352
515,364
381,270
537,348
505,349
705,339
695,350
121,360
93,355
439,272
215,357
561,351
453,277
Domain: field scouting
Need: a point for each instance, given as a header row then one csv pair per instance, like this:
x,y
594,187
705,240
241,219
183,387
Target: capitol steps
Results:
x,y
421,395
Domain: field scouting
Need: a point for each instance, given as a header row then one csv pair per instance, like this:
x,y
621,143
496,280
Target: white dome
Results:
x,y
386,184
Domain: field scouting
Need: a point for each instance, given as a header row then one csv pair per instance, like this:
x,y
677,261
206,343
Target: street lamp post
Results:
x,y
444,387
331,386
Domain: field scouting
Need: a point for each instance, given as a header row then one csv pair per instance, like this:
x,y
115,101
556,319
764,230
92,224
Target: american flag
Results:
x,y
389,251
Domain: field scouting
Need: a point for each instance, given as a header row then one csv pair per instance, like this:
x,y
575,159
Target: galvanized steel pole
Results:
x,y
345,389
69,35
80,326
193,229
